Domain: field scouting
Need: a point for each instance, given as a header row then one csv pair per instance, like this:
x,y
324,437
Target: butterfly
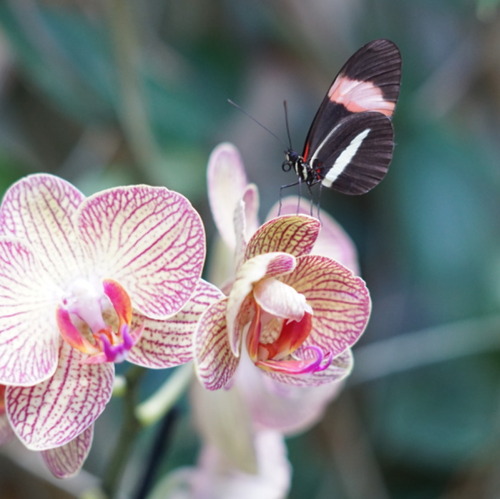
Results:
x,y
350,142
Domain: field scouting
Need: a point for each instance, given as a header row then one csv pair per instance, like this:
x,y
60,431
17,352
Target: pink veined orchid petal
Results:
x,y
39,210
252,271
293,234
150,240
242,230
240,243
29,338
214,361
227,182
56,411
340,301
245,221
251,200
339,368
170,343
280,300
67,460
332,241
226,259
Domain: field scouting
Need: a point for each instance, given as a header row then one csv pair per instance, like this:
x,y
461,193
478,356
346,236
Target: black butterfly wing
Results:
x,y
354,157
368,81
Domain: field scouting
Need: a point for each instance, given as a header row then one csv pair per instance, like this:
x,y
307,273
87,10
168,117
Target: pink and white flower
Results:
x,y
86,282
295,314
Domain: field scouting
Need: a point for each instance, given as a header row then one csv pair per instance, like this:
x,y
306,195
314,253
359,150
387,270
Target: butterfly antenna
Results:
x,y
285,106
254,120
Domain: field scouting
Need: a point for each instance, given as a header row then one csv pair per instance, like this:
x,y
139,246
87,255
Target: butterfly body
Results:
x,y
350,142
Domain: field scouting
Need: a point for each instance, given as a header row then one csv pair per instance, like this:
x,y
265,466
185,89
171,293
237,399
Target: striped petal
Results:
x,y
149,239
252,271
40,210
227,181
340,302
332,241
29,339
67,460
56,411
214,362
293,234
170,343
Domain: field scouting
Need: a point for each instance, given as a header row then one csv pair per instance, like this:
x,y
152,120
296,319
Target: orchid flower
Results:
x,y
294,314
272,404
87,282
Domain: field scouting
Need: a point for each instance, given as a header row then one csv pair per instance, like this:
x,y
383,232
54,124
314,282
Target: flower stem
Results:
x,y
155,407
128,433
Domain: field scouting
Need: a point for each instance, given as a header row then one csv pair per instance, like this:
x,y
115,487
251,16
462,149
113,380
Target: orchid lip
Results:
x,y
319,363
113,341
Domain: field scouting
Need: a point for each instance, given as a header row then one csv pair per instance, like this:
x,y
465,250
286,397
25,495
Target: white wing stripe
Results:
x,y
344,158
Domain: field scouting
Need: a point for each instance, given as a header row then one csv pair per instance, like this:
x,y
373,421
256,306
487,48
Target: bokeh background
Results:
x,y
115,92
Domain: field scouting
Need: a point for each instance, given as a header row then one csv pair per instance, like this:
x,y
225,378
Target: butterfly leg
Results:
x,y
299,182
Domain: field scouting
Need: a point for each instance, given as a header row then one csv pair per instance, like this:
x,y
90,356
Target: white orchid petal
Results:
x,y
226,181
286,408
150,240
280,300
251,201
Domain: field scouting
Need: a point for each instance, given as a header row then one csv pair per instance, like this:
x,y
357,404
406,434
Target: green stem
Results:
x,y
428,346
128,433
161,402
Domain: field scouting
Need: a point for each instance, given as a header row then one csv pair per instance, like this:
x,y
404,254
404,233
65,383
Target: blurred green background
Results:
x,y
112,92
